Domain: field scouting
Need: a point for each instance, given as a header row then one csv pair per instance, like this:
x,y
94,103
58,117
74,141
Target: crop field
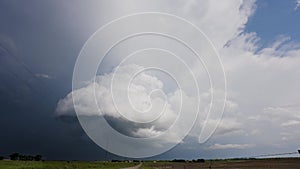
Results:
x,y
282,163
62,165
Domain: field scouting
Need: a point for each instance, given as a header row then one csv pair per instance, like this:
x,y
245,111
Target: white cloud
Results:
x,y
264,84
220,20
290,123
229,146
297,4
139,91
261,82
147,132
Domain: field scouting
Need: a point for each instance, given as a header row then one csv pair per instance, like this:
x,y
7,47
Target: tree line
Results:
x,y
22,157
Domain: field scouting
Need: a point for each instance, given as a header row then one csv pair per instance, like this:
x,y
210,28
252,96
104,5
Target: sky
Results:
x,y
258,43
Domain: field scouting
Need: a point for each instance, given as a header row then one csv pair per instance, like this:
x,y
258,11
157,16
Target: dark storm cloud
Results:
x,y
34,41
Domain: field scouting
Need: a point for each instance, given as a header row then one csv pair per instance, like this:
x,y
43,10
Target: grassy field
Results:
x,y
62,165
282,163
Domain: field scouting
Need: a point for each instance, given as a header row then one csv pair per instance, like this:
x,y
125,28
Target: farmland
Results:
x,y
62,165
275,163
280,163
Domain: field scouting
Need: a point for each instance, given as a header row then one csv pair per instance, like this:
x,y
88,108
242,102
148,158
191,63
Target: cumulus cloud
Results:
x,y
221,21
262,83
143,101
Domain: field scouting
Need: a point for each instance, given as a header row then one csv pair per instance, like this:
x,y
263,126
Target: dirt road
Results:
x,y
134,167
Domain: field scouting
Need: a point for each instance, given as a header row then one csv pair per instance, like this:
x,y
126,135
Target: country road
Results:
x,y
134,167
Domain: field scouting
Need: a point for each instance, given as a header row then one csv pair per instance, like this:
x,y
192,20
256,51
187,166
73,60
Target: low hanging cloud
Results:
x,y
229,146
141,94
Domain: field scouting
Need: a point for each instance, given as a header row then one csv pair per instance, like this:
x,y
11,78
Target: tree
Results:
x,y
1,157
38,158
15,156
200,160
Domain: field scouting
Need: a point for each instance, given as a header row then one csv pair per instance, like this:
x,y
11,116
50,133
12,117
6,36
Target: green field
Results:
x,y
62,165
280,163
